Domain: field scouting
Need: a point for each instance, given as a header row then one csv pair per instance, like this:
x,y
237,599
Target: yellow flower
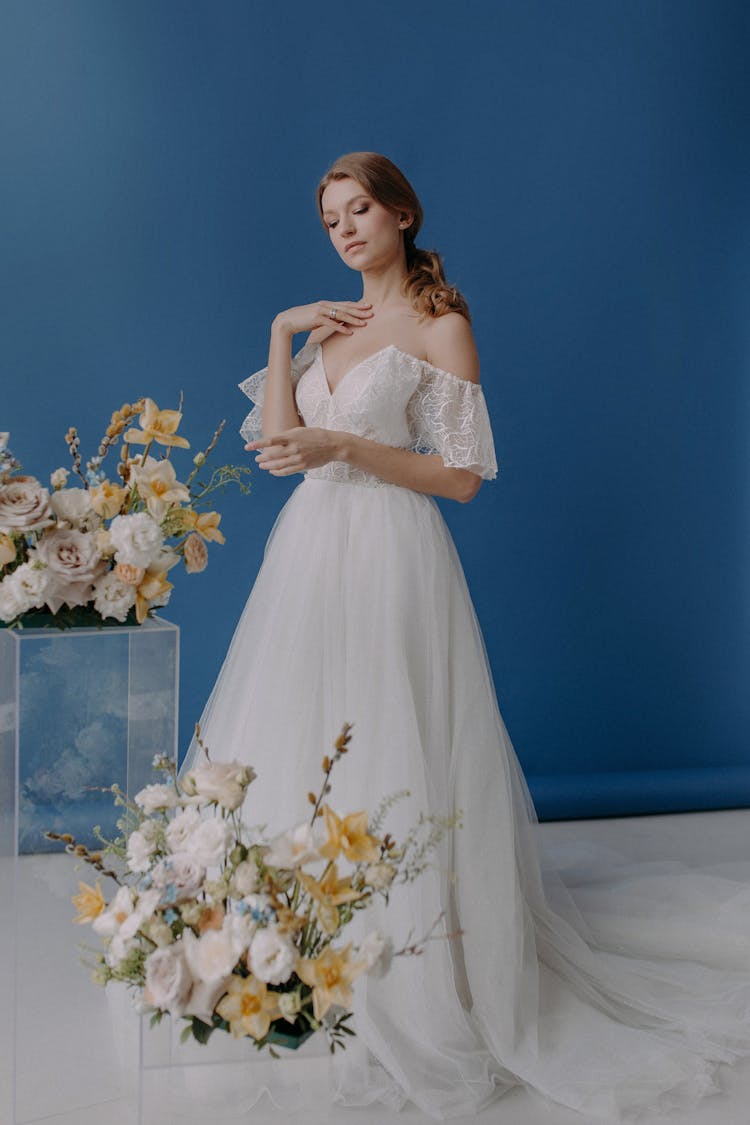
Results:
x,y
7,549
328,894
157,425
248,1007
152,586
158,485
206,524
89,902
348,834
330,976
107,499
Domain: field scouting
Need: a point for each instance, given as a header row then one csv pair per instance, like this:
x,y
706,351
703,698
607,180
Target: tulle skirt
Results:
x,y
606,984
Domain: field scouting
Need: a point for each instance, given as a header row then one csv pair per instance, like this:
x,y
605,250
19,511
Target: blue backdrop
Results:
x,y
584,172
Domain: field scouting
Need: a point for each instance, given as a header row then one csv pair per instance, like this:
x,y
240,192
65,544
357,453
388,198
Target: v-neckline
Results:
x,y
346,374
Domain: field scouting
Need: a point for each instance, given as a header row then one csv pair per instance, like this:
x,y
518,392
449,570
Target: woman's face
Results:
x,y
363,232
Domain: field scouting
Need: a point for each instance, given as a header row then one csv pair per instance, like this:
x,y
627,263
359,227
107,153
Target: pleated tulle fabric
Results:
x,y
606,984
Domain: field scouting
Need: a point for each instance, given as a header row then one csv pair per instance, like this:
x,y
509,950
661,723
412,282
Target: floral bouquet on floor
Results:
x,y
230,931
103,549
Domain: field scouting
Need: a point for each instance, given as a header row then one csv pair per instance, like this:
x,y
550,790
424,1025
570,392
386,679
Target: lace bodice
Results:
x,y
391,397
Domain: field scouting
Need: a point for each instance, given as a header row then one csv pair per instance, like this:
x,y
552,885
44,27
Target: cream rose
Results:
x,y
72,506
178,878
222,783
209,842
74,564
137,539
24,505
153,798
180,829
213,955
168,980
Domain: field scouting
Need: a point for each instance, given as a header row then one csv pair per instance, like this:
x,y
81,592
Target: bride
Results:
x,y
602,984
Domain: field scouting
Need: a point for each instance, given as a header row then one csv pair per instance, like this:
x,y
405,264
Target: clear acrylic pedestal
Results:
x,y
226,1079
79,709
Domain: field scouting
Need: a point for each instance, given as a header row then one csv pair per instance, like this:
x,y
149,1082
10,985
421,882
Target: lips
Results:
x,y
353,246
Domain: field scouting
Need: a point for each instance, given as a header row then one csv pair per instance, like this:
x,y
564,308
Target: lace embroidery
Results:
x,y
255,388
391,397
449,416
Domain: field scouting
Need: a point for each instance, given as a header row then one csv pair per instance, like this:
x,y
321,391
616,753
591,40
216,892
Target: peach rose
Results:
x,y
196,555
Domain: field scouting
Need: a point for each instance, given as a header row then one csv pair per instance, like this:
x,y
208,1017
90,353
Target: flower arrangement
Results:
x,y
242,934
103,549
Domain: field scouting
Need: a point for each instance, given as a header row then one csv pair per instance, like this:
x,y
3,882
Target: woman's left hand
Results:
x,y
295,451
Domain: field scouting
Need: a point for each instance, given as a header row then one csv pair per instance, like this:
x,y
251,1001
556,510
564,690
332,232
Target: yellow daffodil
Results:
x,y
349,835
158,486
157,425
7,549
107,499
328,894
152,586
248,1007
205,523
89,902
330,976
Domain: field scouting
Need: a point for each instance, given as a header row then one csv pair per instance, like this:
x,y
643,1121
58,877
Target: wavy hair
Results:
x,y
425,284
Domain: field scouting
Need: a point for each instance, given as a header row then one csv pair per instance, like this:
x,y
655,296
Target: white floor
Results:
x,y
69,1062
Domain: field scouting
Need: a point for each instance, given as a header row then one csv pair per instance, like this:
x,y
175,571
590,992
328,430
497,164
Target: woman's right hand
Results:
x,y
336,316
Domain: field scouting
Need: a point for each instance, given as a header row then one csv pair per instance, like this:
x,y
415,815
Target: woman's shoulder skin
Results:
x,y
450,345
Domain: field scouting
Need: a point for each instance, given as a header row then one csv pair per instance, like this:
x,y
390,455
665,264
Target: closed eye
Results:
x,y
359,211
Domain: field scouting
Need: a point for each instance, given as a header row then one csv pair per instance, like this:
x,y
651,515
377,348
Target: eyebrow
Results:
x,y
348,203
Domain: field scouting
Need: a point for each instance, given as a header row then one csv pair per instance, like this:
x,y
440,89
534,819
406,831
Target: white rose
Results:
x,y
377,953
72,506
153,798
292,848
24,505
245,879
137,539
12,600
223,783
213,955
113,598
181,828
141,846
168,980
178,878
209,843
272,957
204,997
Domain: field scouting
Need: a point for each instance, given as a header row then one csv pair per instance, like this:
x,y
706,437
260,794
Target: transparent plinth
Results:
x,y
79,710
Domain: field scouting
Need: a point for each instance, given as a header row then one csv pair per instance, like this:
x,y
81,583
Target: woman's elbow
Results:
x,y
467,485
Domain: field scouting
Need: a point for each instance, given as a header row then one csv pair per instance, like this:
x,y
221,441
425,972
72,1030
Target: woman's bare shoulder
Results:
x,y
450,345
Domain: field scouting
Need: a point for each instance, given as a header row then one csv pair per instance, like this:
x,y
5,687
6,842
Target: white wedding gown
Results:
x,y
611,986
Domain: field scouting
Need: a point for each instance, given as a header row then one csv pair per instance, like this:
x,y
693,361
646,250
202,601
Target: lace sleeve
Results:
x,y
255,388
448,415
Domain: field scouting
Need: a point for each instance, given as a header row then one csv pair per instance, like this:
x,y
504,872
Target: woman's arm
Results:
x,y
279,407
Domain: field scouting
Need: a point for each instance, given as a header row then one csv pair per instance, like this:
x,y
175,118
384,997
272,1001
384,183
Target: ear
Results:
x,y
406,218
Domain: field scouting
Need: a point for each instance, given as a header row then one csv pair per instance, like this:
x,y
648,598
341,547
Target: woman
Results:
x,y
606,996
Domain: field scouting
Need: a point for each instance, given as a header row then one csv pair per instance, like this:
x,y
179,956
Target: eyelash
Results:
x,y
360,211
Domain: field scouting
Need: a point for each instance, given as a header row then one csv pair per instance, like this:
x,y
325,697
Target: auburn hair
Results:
x,y
425,284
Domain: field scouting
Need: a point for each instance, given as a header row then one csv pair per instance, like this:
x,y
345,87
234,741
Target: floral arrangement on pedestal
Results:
x,y
242,934
103,549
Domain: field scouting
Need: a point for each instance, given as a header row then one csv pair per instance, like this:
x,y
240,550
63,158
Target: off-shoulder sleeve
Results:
x,y
448,415
255,388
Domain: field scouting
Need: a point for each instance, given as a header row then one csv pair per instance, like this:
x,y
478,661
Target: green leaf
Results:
x,y
201,1031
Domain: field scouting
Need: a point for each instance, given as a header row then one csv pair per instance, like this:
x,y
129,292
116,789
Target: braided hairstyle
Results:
x,y
425,284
